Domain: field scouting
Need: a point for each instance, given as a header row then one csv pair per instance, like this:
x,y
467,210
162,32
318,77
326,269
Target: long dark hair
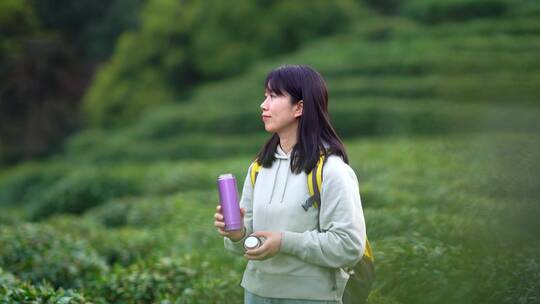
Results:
x,y
302,82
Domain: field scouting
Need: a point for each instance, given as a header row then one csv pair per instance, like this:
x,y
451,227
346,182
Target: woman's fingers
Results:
x,y
218,216
259,253
260,256
219,223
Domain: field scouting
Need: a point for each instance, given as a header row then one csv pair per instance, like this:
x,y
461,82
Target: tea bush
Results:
x,y
37,252
13,290
187,279
80,191
404,85
433,11
123,246
419,266
154,212
12,216
211,42
18,185
142,147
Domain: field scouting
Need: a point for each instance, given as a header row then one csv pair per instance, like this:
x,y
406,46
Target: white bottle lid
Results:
x,y
226,176
251,242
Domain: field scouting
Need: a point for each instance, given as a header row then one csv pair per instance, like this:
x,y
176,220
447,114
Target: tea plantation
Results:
x,y
442,125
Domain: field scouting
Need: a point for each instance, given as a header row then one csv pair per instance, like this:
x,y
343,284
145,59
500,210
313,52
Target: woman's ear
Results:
x,y
299,109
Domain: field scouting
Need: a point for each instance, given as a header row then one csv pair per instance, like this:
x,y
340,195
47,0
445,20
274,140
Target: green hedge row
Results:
x,y
12,290
38,252
53,257
437,11
80,191
123,246
181,44
176,146
187,279
414,268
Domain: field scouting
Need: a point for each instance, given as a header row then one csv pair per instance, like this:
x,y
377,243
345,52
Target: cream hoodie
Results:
x,y
309,263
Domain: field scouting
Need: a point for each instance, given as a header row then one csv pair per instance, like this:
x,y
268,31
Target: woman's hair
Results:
x,y
315,131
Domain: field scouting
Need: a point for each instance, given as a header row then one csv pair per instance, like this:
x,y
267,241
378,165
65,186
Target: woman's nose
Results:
x,y
263,105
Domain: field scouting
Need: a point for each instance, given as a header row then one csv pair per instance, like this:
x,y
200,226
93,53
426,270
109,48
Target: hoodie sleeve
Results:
x,y
246,202
342,239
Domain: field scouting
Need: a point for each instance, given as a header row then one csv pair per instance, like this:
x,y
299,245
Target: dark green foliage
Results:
x,y
115,246
389,7
18,186
22,292
436,11
146,146
51,64
145,282
187,279
402,83
13,290
422,203
48,52
91,25
525,287
38,252
77,192
418,269
16,17
12,216
180,44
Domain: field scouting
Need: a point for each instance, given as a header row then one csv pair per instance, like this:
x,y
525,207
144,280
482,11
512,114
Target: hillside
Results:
x,y
441,123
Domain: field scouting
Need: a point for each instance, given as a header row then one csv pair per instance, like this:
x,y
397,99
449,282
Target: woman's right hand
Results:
x,y
219,223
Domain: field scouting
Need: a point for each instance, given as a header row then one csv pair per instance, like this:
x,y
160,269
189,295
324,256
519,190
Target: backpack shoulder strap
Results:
x,y
254,171
315,186
315,182
368,253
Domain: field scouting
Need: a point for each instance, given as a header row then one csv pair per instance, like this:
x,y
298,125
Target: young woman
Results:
x,y
305,249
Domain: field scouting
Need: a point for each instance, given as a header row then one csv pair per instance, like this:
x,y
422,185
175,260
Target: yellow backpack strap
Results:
x,y
368,253
255,168
315,182
315,186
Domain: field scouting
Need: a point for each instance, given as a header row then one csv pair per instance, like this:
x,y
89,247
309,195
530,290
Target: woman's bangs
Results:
x,y
274,83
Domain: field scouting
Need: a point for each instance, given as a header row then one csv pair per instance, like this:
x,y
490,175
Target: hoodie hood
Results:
x,y
280,154
283,171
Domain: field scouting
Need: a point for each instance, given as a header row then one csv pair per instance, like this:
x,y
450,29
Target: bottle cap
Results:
x,y
226,175
251,242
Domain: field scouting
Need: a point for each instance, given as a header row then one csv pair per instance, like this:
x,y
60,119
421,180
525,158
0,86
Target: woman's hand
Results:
x,y
219,223
270,247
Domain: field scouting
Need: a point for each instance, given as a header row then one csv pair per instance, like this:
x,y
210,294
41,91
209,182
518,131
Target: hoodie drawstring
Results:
x,y
285,188
275,178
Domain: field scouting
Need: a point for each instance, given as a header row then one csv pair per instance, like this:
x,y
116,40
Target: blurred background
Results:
x,y
116,117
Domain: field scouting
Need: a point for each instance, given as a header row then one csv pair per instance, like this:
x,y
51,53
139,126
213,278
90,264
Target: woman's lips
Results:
x,y
264,117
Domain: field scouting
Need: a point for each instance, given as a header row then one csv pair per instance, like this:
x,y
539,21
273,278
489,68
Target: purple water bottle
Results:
x,y
228,198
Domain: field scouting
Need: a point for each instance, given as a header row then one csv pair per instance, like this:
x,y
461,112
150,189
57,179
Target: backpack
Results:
x,y
362,274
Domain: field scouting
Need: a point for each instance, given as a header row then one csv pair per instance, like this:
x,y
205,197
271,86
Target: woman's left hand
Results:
x,y
269,248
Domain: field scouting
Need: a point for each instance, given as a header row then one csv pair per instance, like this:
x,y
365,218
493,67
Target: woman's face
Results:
x,y
278,114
